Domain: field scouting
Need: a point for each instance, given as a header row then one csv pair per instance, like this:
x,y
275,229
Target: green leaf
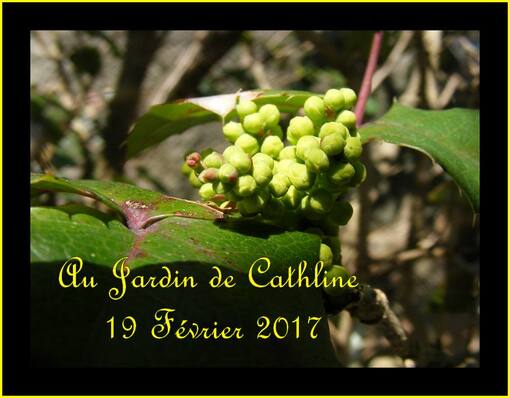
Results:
x,y
144,205
450,137
61,233
70,325
162,121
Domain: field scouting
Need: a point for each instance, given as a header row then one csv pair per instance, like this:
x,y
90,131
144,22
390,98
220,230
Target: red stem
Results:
x,y
366,84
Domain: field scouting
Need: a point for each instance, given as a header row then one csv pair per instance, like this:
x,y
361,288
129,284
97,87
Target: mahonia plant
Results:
x,y
297,178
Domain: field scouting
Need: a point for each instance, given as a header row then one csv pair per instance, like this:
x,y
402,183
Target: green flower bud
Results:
x,y
349,97
237,158
353,148
252,205
207,191
245,186
324,183
221,188
193,160
300,126
288,152
276,131
271,114
290,137
305,144
292,198
263,158
340,173
336,277
194,181
333,144
326,256
333,242
262,174
232,131
283,166
272,146
321,201
333,128
231,196
254,123
317,160
334,99
185,169
341,213
360,173
307,211
208,175
300,176
213,160
227,174
245,108
248,144
279,184
348,119
314,109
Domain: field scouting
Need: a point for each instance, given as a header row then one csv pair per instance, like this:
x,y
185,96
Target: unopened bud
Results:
x,y
300,126
300,176
193,160
248,144
232,131
279,184
333,144
207,191
245,108
305,144
348,119
340,173
314,109
334,99
254,123
213,160
245,186
317,160
353,148
271,114
272,146
208,175
237,158
349,97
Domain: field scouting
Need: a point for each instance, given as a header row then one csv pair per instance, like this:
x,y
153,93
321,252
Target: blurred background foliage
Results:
x,y
413,235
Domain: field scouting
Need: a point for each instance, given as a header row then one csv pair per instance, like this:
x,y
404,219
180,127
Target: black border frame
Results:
x,y
20,18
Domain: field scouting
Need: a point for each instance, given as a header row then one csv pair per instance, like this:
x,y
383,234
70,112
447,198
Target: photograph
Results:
x,y
256,198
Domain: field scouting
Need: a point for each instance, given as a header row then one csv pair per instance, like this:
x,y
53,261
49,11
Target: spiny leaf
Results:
x,y
126,199
450,137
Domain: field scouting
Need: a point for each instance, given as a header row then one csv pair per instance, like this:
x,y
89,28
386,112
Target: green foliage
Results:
x,y
450,138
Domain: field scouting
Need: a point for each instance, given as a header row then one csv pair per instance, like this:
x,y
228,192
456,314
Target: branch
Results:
x,y
141,47
207,49
373,308
366,84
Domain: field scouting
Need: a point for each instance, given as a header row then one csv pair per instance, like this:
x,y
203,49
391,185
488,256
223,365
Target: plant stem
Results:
x,y
366,84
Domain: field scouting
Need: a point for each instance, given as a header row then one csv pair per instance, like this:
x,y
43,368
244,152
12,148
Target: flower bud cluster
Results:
x,y
294,179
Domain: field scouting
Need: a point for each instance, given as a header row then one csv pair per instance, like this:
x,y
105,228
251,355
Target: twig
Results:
x,y
373,308
140,50
255,66
364,202
366,84
393,59
210,47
